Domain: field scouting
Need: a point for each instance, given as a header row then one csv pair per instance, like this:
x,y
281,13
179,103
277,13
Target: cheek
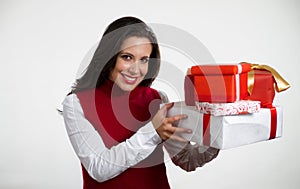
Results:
x,y
144,69
121,65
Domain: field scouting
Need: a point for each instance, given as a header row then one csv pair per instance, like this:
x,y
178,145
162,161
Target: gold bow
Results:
x,y
280,83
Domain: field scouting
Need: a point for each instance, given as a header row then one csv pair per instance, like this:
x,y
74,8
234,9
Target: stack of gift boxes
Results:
x,y
231,105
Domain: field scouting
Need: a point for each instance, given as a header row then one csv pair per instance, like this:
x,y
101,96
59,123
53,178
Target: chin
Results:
x,y
127,87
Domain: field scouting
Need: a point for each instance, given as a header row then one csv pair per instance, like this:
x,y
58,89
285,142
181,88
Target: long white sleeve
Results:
x,y
100,162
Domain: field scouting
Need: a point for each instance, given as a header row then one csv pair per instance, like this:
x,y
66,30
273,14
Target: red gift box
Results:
x,y
218,83
263,88
262,79
189,90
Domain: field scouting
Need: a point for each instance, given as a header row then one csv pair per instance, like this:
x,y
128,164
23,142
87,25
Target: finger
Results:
x,y
182,130
178,138
163,111
169,105
176,118
171,129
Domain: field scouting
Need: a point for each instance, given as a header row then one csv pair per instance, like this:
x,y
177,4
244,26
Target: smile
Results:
x,y
129,80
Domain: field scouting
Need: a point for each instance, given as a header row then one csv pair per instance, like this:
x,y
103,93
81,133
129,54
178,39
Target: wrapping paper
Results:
x,y
262,79
263,88
218,83
189,90
234,108
224,132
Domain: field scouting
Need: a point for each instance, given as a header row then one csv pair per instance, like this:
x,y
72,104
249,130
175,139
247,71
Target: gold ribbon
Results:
x,y
280,83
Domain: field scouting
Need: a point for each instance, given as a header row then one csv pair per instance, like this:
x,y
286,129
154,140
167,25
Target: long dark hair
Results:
x,y
104,58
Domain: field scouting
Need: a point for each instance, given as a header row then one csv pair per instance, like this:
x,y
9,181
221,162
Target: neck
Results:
x,y
113,89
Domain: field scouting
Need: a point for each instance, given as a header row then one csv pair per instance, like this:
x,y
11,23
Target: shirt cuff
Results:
x,y
149,136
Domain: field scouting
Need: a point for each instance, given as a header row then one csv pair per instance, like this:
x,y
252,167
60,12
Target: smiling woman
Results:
x,y
114,120
132,63
118,36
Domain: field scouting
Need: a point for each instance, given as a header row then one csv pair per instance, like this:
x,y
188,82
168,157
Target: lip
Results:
x,y
129,79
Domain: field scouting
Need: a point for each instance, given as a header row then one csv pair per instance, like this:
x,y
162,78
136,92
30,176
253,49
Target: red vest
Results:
x,y
117,115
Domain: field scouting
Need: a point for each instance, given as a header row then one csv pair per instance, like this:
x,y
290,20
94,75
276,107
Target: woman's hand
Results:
x,y
164,125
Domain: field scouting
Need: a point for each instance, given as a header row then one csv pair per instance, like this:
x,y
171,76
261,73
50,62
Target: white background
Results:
x,y
42,44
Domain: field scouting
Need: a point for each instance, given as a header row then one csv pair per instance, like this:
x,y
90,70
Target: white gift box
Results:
x,y
229,131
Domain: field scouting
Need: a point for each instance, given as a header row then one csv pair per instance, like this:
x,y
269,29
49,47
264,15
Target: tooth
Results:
x,y
129,78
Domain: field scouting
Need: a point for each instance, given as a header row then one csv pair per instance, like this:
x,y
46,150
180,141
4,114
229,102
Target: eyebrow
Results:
x,y
128,53
124,52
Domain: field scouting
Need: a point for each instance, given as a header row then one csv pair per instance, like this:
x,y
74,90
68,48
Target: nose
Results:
x,y
134,68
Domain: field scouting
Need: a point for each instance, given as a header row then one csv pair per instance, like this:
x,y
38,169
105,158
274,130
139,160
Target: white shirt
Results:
x,y
100,162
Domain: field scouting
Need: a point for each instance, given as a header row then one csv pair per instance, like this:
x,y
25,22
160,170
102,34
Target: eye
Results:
x,y
145,60
126,57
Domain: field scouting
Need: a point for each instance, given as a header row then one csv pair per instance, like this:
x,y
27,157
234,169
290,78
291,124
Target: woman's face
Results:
x,y
132,63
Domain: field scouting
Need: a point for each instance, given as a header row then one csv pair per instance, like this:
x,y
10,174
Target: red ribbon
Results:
x,y
273,123
206,129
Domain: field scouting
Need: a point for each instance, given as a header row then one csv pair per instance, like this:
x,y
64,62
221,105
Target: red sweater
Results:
x,y
117,115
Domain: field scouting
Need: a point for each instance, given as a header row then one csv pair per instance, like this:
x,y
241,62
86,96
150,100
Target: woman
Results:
x,y
113,118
